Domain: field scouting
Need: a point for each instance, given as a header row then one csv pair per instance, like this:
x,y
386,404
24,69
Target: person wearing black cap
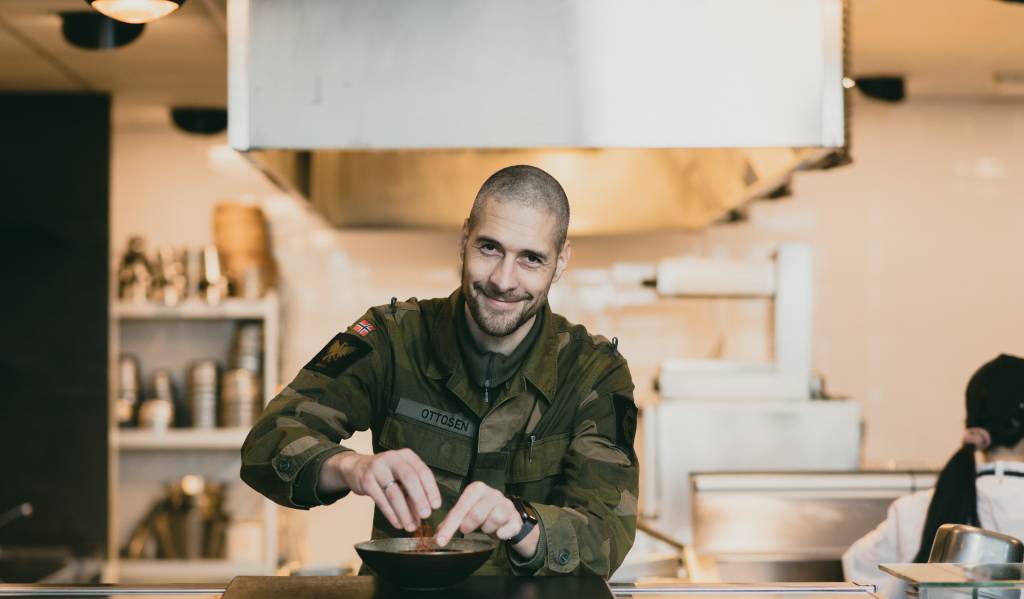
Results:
x,y
989,494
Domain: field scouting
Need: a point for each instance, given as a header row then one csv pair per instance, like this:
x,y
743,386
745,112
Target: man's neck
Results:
x,y
499,345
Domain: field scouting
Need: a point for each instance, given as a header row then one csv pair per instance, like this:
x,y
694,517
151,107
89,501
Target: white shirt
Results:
x,y
896,540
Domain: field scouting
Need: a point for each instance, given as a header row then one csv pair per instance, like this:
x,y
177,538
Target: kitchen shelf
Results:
x,y
231,308
186,439
141,462
185,570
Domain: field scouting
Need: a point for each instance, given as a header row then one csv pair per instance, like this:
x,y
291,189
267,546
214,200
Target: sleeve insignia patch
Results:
x,y
338,355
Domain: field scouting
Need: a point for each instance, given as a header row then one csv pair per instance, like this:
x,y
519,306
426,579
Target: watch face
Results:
x,y
526,510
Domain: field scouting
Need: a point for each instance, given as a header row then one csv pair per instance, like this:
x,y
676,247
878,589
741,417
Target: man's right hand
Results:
x,y
401,485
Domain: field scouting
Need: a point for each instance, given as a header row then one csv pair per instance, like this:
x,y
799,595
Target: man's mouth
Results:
x,y
500,301
501,304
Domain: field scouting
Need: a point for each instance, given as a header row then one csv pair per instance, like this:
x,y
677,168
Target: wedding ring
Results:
x,y
385,487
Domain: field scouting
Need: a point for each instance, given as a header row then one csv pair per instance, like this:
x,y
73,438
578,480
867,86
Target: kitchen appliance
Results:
x,y
466,74
379,128
788,526
766,406
404,563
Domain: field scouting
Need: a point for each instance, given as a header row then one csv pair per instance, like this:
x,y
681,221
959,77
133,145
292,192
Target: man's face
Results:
x,y
509,262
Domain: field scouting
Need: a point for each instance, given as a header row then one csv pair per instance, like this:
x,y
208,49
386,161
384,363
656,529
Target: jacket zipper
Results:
x,y
487,379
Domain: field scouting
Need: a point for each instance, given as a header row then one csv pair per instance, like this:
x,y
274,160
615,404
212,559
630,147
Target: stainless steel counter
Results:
x,y
646,590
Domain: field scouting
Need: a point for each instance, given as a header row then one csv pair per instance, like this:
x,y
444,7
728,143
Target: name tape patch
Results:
x,y
436,417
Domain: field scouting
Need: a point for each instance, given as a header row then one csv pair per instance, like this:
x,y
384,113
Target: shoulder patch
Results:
x,y
625,421
338,354
363,328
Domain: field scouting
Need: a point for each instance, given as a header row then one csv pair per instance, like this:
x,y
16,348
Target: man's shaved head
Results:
x,y
528,186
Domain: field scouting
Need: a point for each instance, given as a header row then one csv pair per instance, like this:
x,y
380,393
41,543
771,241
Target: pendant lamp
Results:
x,y
136,11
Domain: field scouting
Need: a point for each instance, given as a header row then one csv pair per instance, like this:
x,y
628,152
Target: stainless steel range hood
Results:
x,y
391,112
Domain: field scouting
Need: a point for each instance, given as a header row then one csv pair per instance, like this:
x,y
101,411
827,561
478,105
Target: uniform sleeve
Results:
x,y
590,523
880,546
334,395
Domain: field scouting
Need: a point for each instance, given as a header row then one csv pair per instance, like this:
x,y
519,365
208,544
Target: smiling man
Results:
x,y
490,414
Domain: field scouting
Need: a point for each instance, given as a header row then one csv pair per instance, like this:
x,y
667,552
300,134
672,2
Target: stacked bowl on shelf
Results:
x,y
202,393
241,389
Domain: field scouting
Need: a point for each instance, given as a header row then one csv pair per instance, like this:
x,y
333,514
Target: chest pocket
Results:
x,y
544,460
438,449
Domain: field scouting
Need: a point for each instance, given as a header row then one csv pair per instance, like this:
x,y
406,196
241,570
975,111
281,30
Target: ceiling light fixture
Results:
x,y
204,121
93,31
136,11
888,88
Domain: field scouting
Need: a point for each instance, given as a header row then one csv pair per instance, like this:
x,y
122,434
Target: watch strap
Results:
x,y
527,513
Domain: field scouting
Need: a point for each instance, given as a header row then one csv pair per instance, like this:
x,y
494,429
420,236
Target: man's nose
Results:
x,y
503,277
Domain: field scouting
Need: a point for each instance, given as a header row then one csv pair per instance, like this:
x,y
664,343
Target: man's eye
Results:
x,y
534,260
488,248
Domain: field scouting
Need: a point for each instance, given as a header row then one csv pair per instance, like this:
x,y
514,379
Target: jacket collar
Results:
x,y
540,366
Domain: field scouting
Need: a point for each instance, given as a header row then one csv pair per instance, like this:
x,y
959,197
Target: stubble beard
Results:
x,y
497,324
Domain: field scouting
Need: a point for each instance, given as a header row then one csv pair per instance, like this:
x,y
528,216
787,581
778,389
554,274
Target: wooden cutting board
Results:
x,y
369,587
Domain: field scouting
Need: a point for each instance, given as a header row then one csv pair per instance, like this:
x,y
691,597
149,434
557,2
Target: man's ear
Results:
x,y
463,239
562,261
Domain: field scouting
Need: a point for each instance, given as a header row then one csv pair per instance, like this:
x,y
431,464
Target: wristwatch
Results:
x,y
529,515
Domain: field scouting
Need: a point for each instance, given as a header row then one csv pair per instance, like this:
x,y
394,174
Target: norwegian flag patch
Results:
x,y
363,328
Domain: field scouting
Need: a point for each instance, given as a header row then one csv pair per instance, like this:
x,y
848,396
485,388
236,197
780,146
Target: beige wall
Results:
x,y
916,246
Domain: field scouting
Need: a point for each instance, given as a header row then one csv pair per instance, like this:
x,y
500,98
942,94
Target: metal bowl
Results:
x,y
398,561
962,544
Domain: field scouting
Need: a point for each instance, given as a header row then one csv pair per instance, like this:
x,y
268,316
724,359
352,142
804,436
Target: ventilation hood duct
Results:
x,y
654,114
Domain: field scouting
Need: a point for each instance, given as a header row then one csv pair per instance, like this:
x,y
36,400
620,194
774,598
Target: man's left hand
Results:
x,y
481,508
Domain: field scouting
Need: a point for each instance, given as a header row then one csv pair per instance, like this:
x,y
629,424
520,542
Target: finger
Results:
x,y
495,520
395,496
478,514
453,520
426,479
510,529
397,499
413,488
373,489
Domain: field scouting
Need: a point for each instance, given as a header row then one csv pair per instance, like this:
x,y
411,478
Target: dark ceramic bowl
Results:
x,y
399,562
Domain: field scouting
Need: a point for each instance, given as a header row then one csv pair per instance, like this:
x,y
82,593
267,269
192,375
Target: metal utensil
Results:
x,y
202,393
962,544
239,392
129,389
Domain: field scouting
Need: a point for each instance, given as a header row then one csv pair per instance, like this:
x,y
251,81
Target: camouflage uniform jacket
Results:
x,y
559,434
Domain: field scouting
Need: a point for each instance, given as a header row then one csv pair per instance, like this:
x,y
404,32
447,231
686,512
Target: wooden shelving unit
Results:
x,y
142,461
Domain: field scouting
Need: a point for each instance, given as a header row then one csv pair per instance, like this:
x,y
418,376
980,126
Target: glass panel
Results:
x,y
959,575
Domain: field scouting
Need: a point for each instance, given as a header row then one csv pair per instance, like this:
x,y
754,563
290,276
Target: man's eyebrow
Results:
x,y
485,239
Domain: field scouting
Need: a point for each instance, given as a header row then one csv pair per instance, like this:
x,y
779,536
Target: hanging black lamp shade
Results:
x,y
204,121
94,31
136,11
886,88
